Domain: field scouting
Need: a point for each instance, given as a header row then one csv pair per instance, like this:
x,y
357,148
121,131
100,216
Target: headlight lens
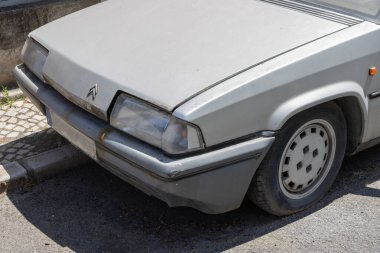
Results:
x,y
154,126
34,56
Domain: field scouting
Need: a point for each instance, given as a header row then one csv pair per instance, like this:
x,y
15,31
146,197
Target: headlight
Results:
x,y
154,126
34,56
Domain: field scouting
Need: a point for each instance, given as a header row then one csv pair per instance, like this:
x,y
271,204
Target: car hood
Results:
x,y
167,51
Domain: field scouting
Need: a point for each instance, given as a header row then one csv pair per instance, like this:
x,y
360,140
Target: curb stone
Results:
x,y
12,175
41,166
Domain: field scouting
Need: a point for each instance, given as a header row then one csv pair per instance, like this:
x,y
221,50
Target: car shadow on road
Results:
x,y
89,210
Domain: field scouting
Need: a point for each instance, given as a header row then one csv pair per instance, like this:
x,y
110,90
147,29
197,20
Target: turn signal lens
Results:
x,y
34,56
373,71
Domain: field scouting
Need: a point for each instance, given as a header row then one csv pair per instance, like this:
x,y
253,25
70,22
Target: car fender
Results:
x,y
318,96
265,96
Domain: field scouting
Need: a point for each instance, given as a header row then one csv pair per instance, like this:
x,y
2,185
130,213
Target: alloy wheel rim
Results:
x,y
307,159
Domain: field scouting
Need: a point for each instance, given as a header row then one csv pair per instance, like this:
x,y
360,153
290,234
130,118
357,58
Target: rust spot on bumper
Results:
x,y
104,133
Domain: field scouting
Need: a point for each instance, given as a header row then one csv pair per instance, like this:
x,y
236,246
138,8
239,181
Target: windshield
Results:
x,y
366,9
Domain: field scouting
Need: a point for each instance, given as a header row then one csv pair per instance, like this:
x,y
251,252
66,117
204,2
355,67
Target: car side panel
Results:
x,y
266,96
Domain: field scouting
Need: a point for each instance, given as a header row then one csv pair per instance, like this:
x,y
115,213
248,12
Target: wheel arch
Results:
x,y
354,115
348,96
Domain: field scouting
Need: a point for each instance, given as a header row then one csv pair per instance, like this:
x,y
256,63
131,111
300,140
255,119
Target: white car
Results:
x,y
201,103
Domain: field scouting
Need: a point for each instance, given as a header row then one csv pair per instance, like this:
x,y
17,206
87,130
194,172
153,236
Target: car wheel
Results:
x,y
303,161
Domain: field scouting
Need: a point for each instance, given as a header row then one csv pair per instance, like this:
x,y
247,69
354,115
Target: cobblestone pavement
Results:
x,y
24,132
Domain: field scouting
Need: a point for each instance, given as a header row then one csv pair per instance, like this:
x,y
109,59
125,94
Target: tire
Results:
x,y
303,162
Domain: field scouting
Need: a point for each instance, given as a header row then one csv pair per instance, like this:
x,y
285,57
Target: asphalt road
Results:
x,y
89,210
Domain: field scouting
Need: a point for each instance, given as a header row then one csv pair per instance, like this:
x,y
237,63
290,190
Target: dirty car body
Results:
x,y
183,99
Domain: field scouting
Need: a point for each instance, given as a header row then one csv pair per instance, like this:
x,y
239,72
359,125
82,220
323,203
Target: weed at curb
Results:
x,y
6,99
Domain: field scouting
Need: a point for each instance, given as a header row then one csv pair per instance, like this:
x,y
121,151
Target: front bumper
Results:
x,y
212,182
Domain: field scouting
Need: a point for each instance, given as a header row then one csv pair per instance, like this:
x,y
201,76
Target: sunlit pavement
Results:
x,y
24,132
